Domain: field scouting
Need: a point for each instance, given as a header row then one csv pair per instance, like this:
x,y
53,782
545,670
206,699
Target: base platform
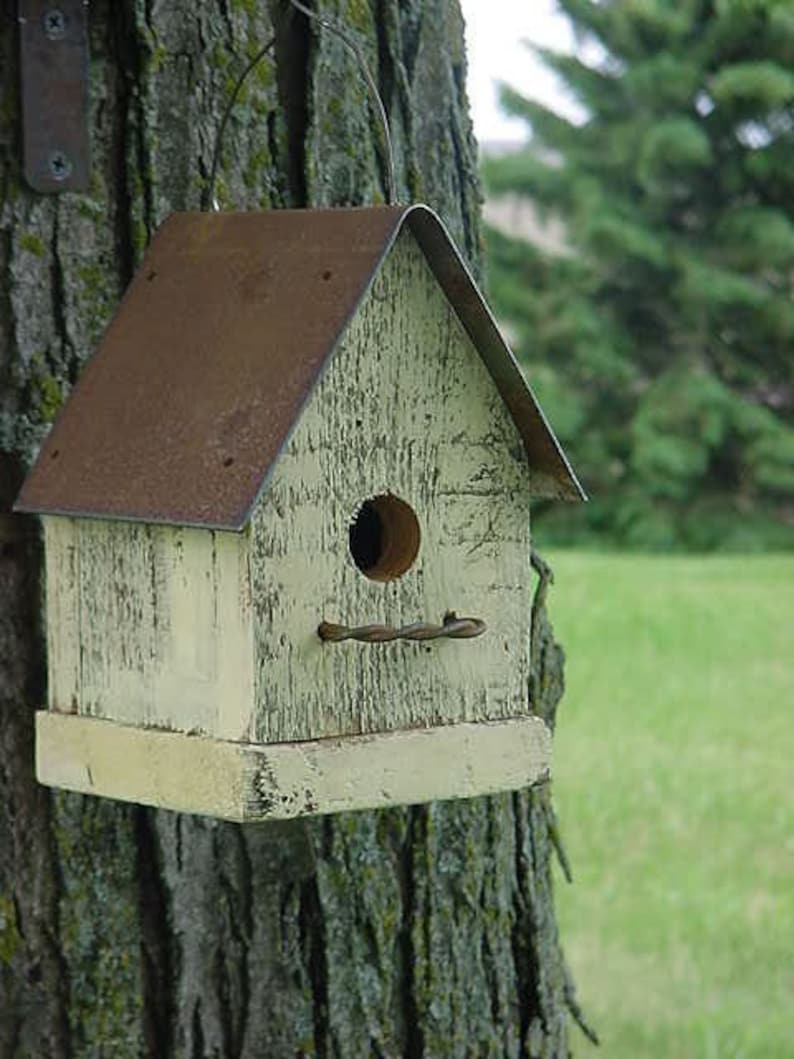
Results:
x,y
250,782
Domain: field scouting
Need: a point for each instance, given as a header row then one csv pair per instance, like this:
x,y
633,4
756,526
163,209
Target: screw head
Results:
x,y
59,166
54,22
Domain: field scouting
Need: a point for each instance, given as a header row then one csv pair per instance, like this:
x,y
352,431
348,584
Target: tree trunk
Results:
x,y
424,931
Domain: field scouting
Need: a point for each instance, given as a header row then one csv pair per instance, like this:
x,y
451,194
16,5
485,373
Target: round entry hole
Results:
x,y
384,538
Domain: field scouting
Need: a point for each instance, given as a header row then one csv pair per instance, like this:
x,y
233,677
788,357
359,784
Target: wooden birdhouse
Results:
x,y
287,532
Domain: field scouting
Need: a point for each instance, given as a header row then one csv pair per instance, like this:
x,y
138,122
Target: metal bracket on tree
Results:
x,y
53,41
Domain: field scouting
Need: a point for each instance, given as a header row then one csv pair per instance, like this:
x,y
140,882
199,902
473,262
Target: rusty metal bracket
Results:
x,y
53,42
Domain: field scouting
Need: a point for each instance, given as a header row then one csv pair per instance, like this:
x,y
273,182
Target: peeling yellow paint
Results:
x,y
150,625
406,407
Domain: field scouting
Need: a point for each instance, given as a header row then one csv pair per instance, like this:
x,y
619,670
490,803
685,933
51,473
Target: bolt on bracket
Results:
x,y
53,41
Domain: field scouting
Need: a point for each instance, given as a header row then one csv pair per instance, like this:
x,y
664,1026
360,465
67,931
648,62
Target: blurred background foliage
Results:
x,y
658,330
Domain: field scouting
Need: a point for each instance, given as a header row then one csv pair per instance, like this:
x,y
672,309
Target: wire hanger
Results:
x,y
209,200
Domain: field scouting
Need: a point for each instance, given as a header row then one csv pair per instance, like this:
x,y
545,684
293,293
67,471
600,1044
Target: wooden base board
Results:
x,y
248,782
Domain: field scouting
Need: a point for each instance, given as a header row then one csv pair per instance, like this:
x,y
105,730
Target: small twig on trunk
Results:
x,y
579,1017
546,578
555,837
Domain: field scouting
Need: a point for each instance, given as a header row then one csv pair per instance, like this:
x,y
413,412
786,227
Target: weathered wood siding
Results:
x,y
154,625
405,407
150,625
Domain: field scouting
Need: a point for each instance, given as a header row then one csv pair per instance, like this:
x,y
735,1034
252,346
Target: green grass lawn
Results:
x,y
674,785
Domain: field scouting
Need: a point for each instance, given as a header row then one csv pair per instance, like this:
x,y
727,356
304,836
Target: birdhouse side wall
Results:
x,y
406,407
150,625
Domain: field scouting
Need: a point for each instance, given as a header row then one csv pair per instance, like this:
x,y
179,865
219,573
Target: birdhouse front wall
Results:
x,y
150,625
407,409
215,632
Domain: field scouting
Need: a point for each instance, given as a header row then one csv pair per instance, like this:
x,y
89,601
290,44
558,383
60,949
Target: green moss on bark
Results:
x,y
9,931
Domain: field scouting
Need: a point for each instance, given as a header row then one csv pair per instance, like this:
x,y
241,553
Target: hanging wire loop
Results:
x,y
333,26
209,200
453,628
209,195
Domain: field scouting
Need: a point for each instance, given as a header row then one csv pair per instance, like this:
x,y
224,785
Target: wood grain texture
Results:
x,y
244,782
150,625
405,407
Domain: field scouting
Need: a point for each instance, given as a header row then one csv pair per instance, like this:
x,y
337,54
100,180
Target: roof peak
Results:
x,y
222,335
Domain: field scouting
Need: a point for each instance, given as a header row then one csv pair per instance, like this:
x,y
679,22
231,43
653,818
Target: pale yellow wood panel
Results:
x,y
117,606
245,782
235,636
406,406
63,613
151,625
186,685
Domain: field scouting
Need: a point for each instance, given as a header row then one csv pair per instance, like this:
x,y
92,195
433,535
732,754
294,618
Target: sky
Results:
x,y
494,32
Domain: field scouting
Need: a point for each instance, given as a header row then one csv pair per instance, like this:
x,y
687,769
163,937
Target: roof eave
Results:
x,y
551,475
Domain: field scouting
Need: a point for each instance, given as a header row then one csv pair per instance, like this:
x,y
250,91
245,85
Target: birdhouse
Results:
x,y
286,515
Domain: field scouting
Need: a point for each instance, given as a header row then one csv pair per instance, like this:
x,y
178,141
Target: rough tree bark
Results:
x,y
425,931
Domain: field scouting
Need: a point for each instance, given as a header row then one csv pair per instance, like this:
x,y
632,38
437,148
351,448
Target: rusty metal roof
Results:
x,y
217,345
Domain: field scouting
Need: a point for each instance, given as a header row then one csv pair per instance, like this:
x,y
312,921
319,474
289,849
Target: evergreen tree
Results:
x,y
662,338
